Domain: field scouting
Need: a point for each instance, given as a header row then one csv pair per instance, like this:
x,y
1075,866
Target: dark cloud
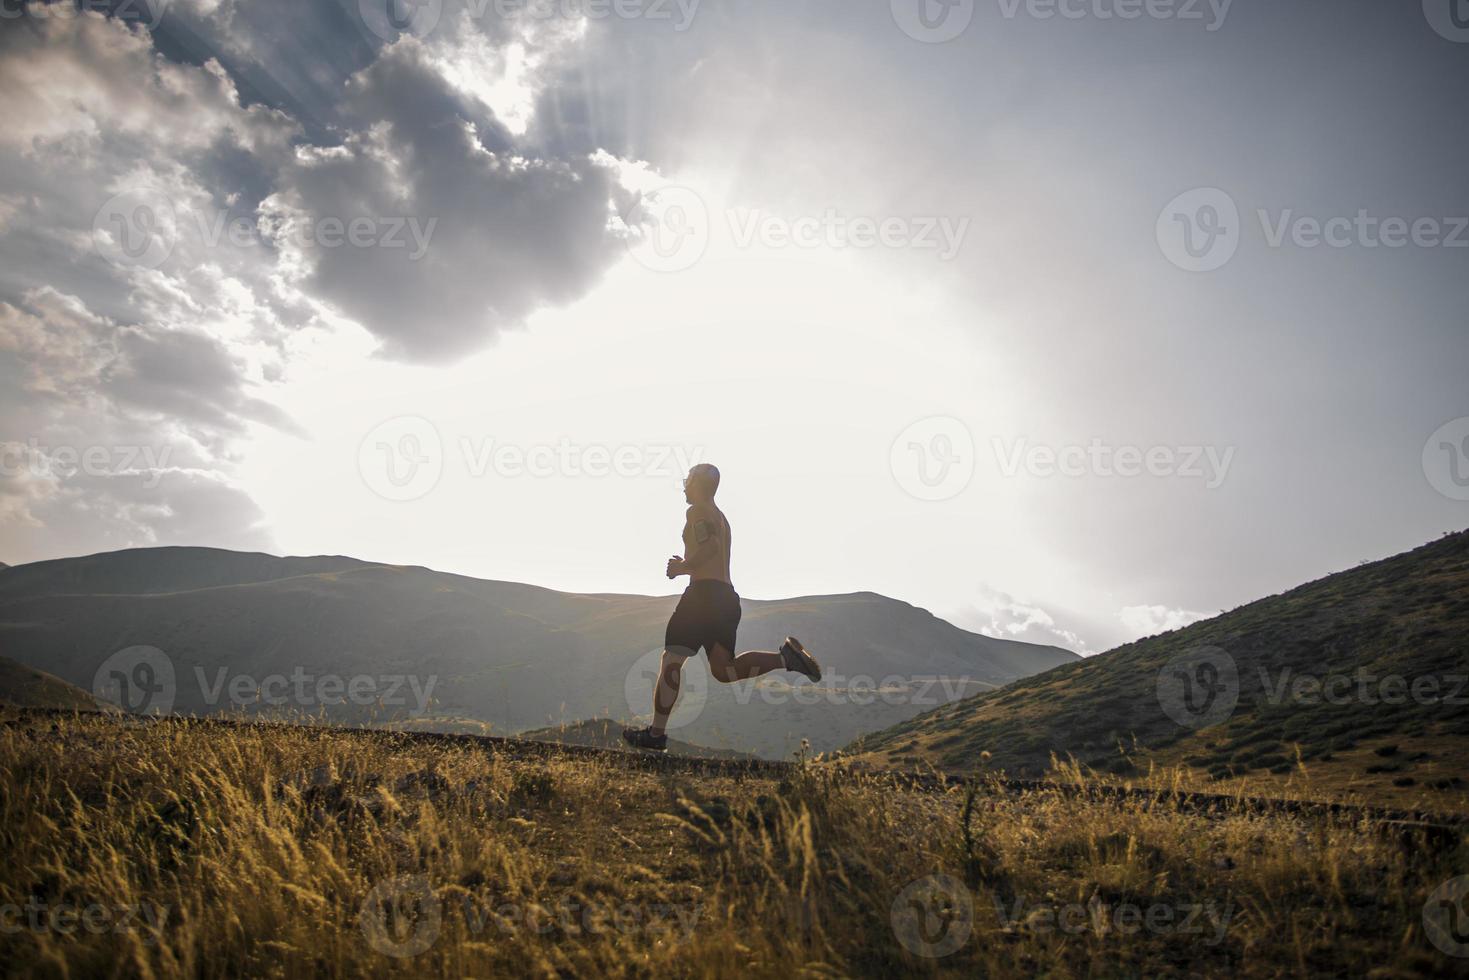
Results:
x,y
248,132
485,234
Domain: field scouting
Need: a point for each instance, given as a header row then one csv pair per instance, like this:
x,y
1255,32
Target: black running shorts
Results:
x,y
708,613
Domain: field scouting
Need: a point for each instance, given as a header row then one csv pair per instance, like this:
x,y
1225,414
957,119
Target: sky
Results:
x,y
1068,320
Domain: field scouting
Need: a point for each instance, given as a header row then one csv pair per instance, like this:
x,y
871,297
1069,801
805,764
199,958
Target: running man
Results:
x,y
708,614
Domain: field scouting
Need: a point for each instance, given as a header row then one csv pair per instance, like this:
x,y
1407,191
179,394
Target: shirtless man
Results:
x,y
708,614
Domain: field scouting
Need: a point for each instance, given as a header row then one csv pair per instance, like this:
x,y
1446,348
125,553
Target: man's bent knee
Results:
x,y
721,665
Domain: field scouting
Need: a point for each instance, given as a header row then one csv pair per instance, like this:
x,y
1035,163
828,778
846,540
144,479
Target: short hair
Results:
x,y
707,473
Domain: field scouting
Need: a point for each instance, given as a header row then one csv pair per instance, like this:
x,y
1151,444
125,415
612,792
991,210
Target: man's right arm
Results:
x,y
700,529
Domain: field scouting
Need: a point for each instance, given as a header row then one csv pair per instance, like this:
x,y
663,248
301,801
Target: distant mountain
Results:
x,y
1364,673
468,652
30,688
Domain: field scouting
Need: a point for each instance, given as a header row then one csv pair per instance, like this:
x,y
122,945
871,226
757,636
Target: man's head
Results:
x,y
701,483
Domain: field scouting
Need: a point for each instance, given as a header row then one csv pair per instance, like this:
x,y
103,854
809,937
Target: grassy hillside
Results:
x,y
260,851
27,687
1406,617
469,652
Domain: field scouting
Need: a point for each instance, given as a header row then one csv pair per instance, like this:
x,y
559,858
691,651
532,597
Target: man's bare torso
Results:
x,y
706,534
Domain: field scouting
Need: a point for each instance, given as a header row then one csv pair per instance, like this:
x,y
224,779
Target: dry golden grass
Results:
x,y
284,853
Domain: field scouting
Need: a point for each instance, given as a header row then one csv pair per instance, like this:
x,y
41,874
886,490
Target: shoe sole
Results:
x,y
804,655
642,748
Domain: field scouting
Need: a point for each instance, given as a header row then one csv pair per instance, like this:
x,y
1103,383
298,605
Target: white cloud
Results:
x,y
1149,620
1007,617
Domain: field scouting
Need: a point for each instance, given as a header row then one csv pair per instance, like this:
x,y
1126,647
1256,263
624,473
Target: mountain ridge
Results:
x,y
509,655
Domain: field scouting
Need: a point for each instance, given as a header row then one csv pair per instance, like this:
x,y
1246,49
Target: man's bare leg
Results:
x,y
727,668
665,689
